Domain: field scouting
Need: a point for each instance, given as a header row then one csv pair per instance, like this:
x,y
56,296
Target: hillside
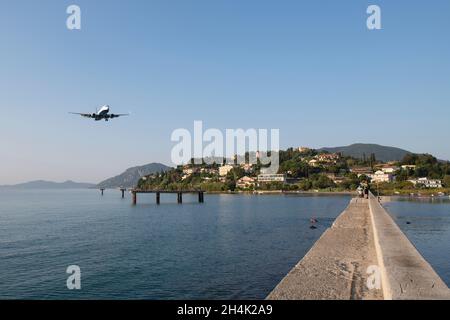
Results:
x,y
42,184
358,150
131,176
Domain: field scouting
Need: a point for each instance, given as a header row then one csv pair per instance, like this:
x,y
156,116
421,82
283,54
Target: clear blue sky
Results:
x,y
309,68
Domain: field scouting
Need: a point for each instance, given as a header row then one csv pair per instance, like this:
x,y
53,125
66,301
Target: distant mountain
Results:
x,y
41,184
131,176
358,150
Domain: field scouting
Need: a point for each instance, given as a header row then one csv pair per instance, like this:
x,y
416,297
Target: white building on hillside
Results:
x,y
314,163
381,176
389,169
427,183
223,170
267,177
303,149
360,171
189,171
245,182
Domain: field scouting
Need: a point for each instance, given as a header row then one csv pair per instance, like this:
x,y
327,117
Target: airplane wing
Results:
x,y
118,115
87,115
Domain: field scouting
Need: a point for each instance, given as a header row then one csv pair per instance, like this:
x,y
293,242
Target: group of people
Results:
x,y
363,191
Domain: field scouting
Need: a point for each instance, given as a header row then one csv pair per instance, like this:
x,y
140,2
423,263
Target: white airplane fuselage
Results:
x,y
103,110
102,114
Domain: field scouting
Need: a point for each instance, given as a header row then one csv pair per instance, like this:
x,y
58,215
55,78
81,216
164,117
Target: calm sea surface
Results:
x,y
230,247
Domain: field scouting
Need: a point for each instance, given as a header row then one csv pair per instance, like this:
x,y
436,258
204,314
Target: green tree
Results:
x,y
323,182
402,175
230,180
305,185
447,181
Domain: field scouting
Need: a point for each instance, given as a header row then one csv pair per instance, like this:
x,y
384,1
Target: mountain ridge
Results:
x,y
130,177
44,184
358,150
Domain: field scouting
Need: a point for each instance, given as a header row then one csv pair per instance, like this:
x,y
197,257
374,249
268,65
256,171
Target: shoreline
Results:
x,y
416,194
281,192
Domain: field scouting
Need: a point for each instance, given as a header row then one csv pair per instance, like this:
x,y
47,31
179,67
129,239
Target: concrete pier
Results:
x,y
363,238
335,267
201,197
406,275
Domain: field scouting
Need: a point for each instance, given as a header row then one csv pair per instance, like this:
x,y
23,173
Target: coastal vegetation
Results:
x,y
304,169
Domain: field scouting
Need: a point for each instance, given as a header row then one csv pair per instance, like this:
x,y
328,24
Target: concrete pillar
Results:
x,y
158,198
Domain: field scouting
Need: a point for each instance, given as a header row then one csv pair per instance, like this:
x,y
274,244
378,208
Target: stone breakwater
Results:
x,y
406,275
364,242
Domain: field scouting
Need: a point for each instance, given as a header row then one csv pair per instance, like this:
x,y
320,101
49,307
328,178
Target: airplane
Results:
x,y
102,114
